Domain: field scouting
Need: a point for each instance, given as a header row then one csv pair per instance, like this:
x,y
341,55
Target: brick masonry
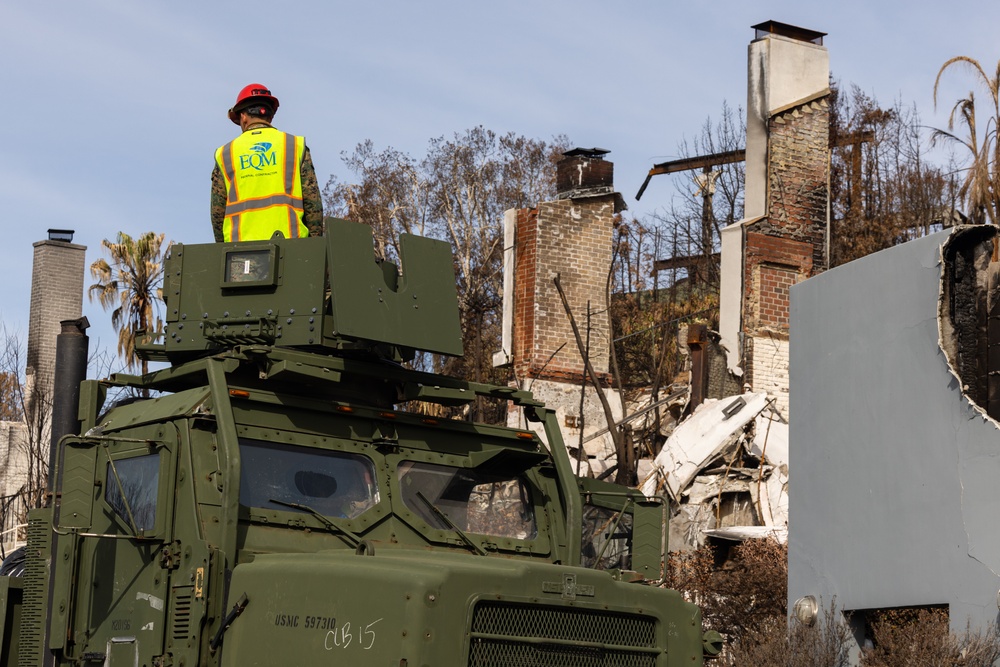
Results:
x,y
773,264
584,173
571,238
789,244
56,294
797,175
770,362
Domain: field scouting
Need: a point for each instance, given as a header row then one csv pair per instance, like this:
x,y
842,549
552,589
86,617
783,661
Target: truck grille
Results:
x,y
536,636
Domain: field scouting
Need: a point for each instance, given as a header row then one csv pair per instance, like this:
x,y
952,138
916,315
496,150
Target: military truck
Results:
x,y
288,490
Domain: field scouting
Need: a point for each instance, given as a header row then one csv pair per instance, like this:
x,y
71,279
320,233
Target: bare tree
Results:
x,y
391,196
10,388
457,192
473,178
665,267
26,409
26,468
883,189
703,204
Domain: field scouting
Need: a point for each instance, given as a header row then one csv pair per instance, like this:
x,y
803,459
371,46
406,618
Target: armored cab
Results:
x,y
285,490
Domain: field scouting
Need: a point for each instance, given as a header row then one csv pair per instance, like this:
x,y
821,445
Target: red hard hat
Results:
x,y
255,92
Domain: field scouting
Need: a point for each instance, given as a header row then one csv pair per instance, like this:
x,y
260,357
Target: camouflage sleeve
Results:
x,y
218,203
312,203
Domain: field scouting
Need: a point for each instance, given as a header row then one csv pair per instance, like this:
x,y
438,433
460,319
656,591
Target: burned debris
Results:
x,y
725,471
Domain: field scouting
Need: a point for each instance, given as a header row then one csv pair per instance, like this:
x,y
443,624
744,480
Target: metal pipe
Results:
x,y
72,346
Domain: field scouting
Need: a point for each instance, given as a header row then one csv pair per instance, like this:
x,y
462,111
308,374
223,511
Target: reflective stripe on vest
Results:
x,y
262,173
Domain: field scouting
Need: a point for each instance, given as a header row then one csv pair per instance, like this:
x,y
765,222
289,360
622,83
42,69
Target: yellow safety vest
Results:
x,y
262,171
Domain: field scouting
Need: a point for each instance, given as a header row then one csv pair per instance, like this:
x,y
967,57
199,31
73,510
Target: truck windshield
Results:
x,y
336,484
473,500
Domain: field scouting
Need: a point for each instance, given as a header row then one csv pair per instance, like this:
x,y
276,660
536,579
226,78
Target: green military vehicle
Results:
x,y
287,492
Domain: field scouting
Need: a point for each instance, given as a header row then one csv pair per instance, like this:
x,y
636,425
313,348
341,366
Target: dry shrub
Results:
x,y
823,645
921,638
774,645
741,597
745,598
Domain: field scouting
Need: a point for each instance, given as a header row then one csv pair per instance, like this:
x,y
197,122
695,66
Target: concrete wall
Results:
x,y
895,496
564,398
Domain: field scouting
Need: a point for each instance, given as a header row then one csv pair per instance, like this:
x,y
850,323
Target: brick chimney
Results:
x,y
783,238
583,172
570,237
56,294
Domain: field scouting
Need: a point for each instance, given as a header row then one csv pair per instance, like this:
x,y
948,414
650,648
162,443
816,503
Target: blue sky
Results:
x,y
113,108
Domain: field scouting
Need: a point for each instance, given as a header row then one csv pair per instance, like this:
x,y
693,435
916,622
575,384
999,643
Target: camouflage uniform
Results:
x,y
312,204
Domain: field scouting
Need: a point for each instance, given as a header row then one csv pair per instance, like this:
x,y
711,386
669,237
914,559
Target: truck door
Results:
x,y
120,599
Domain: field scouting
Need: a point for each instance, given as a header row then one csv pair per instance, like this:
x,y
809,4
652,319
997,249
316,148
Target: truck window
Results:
x,y
475,501
601,526
139,477
336,484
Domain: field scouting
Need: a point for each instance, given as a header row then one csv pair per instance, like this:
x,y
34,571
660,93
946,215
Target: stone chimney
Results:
x,y
784,236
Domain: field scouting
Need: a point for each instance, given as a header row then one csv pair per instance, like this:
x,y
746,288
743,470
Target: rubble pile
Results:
x,y
725,472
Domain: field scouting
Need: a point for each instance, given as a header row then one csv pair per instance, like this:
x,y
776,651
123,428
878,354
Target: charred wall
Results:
x,y
970,313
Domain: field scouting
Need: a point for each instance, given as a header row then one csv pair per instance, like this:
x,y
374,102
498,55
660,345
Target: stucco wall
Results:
x,y
895,496
780,71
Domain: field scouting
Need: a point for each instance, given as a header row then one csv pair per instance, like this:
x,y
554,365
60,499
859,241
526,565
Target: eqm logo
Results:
x,y
259,157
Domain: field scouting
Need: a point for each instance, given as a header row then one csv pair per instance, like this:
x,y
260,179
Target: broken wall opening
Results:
x,y
898,631
969,315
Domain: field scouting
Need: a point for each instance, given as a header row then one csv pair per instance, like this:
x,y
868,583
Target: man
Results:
x,y
263,182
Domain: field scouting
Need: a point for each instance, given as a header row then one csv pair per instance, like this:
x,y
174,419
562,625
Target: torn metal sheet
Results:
x,y
714,428
770,497
770,441
771,493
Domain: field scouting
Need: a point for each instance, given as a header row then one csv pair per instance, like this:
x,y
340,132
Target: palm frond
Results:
x,y
130,286
980,188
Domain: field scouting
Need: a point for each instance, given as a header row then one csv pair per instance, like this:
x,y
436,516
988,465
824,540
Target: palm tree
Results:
x,y
981,186
131,285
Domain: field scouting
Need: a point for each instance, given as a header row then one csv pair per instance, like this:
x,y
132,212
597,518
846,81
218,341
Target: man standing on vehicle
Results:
x,y
263,182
